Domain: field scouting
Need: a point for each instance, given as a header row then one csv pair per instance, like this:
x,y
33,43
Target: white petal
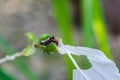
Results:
x,y
102,68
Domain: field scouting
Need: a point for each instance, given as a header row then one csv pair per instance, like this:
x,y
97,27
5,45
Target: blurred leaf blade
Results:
x,y
63,18
94,25
87,23
99,28
4,76
87,32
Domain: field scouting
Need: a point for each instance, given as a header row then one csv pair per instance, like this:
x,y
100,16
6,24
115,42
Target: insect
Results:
x,y
50,40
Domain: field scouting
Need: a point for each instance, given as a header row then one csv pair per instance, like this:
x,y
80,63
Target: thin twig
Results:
x,y
9,58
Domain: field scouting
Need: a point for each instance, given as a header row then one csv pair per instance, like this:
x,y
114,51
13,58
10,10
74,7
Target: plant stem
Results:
x,y
9,58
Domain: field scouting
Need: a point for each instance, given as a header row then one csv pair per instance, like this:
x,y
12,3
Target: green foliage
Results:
x,y
87,37
29,50
44,37
31,37
64,21
87,23
99,28
36,44
5,76
49,48
94,27
63,17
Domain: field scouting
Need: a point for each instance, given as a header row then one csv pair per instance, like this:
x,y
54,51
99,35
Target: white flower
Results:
x,y
102,68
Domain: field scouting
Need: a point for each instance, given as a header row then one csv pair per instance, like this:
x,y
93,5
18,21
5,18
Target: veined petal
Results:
x,y
102,68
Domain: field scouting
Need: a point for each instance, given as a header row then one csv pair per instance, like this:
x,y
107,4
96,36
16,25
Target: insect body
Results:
x,y
48,43
51,39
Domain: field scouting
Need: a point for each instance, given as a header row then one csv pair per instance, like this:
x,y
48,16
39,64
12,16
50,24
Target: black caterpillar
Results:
x,y
51,39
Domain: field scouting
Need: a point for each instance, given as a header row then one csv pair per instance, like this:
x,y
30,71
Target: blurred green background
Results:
x,y
89,23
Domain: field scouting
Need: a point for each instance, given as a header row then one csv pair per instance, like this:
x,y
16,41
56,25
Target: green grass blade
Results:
x,y
99,28
63,18
87,23
94,25
87,32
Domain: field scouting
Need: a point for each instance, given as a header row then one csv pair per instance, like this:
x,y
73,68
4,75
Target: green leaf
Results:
x,y
49,48
44,37
29,50
31,37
